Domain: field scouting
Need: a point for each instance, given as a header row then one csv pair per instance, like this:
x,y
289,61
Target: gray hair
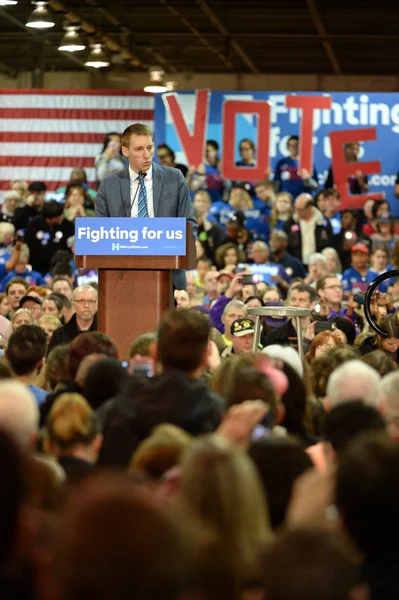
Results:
x,y
354,380
19,413
235,304
315,257
331,250
82,288
261,245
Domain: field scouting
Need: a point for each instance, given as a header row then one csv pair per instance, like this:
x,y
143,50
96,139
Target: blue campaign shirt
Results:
x,y
255,222
39,394
251,184
267,271
353,281
31,277
217,209
214,182
286,172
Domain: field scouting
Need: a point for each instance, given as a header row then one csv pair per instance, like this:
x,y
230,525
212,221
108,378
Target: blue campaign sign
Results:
x,y
350,110
130,237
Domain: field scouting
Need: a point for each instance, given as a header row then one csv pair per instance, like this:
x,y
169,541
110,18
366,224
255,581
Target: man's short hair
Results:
x,y
61,268
354,381
235,304
303,287
183,337
16,280
293,138
26,348
260,244
19,413
317,256
321,282
346,421
62,278
135,129
52,209
92,342
66,303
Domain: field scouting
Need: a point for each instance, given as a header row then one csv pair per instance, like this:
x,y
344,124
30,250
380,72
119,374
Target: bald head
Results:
x,y
304,206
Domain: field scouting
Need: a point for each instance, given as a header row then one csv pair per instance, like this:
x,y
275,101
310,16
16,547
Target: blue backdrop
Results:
x,y
349,111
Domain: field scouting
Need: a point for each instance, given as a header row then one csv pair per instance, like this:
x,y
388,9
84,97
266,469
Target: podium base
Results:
x,y
132,303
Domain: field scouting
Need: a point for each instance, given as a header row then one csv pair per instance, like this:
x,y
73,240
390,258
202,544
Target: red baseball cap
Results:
x,y
361,248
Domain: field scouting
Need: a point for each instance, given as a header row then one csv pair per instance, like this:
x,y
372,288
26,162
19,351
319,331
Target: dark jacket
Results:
x,y
75,468
323,234
44,241
284,336
68,332
172,397
23,215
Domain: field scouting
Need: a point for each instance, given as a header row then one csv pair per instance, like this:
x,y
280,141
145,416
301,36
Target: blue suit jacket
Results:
x,y
170,196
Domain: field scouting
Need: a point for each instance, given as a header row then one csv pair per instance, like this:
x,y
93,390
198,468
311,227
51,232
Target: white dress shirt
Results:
x,y
308,235
134,182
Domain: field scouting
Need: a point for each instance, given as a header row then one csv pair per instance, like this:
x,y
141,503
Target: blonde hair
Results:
x,y
71,421
204,195
331,250
21,311
22,185
274,213
6,228
12,195
161,451
50,319
221,486
241,197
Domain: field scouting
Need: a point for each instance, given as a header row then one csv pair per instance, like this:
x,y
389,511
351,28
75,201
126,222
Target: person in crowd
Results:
x,y
33,205
167,158
301,296
289,177
78,176
329,289
271,294
278,245
67,307
279,461
379,361
307,230
242,337
12,201
177,396
216,477
366,499
19,414
358,182
15,289
110,160
320,344
379,259
49,324
358,277
77,202
210,287
208,177
282,211
85,301
46,234
385,235
317,563
52,306
351,234
122,526
182,299
23,269
333,261
26,351
210,234
378,208
388,344
7,239
107,378
73,435
317,265
20,186
223,313
228,256
265,197
353,380
325,365
33,305
62,285
4,304
143,345
270,272
331,205
21,317
39,291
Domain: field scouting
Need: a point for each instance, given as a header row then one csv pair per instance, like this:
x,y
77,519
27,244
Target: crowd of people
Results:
x,y
212,460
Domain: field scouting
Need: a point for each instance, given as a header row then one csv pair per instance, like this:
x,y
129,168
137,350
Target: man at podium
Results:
x,y
145,189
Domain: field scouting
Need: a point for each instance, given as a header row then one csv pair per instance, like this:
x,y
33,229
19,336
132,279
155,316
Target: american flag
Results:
x,y
45,133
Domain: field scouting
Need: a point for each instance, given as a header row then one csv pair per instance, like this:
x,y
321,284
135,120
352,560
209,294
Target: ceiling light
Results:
x,y
40,18
8,2
156,83
97,58
71,42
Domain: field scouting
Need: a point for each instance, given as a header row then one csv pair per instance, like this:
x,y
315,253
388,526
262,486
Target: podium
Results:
x,y
135,291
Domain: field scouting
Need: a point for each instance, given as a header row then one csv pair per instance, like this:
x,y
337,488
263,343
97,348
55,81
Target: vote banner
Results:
x,y
130,237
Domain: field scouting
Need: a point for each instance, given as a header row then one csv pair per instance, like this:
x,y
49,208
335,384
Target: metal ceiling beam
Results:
x,y
208,12
196,33
318,23
38,36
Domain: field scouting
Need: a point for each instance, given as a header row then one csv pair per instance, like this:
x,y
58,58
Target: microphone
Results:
x,y
141,175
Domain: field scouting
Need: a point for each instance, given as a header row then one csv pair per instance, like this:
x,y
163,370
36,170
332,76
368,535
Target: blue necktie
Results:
x,y
142,206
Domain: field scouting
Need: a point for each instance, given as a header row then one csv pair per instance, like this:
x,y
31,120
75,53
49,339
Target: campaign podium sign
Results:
x,y
135,259
123,236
